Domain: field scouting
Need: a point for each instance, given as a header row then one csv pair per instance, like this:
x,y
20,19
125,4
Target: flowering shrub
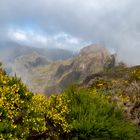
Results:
x,y
26,115
14,98
47,116
135,74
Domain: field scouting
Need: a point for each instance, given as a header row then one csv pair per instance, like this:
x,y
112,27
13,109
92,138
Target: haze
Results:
x,y
72,24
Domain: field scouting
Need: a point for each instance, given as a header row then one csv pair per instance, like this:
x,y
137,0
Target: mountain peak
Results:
x,y
93,48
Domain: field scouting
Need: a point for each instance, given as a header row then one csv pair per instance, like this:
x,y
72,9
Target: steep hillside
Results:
x,y
52,77
122,84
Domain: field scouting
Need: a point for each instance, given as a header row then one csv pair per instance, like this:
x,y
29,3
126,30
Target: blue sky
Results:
x,y
72,24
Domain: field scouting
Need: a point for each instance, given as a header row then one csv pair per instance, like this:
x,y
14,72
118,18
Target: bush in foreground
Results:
x,y
75,114
92,117
24,115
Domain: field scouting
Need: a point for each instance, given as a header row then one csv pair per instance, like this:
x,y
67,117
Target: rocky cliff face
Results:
x,y
91,59
48,77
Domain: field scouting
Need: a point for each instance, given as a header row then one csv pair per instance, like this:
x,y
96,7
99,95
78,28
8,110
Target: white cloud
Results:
x,y
19,36
40,38
72,23
63,37
60,40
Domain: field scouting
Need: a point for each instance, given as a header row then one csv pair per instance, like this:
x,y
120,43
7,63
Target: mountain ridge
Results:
x,y
54,76
10,50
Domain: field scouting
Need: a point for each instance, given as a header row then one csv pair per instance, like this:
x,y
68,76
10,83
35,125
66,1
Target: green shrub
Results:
x,y
92,117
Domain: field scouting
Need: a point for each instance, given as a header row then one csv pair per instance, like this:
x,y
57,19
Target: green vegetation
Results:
x,y
75,114
122,86
94,118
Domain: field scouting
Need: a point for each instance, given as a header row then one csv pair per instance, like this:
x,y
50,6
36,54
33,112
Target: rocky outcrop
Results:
x,y
91,59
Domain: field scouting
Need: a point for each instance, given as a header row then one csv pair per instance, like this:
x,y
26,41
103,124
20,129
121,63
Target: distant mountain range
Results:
x,y
9,51
48,71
